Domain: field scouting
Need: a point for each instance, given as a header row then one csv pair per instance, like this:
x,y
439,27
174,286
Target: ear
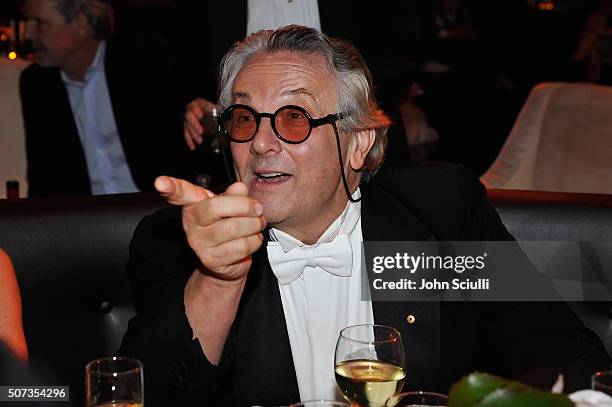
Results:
x,y
81,23
362,142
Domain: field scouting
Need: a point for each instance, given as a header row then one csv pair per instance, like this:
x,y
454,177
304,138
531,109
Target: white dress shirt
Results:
x,y
318,305
272,14
95,120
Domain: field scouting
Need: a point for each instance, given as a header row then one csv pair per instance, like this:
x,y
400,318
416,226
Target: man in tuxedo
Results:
x,y
236,307
100,115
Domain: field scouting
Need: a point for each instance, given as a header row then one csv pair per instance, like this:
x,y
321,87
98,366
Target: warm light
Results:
x,y
3,37
546,5
12,55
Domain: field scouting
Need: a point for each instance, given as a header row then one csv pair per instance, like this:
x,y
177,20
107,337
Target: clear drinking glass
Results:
x,y
417,399
214,147
210,127
369,364
602,381
114,381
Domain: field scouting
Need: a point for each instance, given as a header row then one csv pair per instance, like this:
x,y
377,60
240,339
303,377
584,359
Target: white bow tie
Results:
x,y
335,257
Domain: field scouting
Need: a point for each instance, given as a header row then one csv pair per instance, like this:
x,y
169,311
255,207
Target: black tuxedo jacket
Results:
x,y
140,78
529,341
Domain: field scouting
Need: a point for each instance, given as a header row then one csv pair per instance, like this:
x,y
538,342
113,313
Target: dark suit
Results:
x,y
140,79
529,341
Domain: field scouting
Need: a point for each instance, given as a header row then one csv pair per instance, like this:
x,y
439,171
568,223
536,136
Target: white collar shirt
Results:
x,y
92,109
318,304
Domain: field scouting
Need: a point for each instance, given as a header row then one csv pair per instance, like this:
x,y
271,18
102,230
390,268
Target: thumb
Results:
x,y
237,189
180,192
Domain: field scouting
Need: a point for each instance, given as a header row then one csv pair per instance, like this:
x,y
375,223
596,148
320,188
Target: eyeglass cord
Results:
x,y
346,187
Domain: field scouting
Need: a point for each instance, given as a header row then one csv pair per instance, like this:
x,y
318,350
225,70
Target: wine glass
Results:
x,y
369,364
114,382
214,146
210,124
417,399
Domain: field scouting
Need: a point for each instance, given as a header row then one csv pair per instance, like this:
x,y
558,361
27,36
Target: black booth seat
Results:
x,y
70,257
554,216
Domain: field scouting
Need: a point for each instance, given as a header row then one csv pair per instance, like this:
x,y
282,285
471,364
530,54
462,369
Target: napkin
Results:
x,y
590,398
584,398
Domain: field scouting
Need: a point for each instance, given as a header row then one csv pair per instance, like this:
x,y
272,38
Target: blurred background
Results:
x,y
473,62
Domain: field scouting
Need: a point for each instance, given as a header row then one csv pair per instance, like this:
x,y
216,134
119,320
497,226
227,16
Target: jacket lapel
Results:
x,y
66,139
265,373
384,218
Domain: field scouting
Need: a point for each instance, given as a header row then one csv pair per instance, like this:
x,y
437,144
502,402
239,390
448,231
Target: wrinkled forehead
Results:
x,y
283,75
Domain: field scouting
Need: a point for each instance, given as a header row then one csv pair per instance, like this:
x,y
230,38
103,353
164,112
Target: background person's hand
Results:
x,y
223,230
193,130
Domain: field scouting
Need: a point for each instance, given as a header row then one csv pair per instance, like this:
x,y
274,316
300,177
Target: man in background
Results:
x,y
100,114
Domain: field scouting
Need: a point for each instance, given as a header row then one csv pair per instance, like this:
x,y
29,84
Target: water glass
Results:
x,y
114,382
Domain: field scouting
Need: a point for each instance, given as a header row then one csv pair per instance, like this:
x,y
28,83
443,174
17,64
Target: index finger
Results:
x,y
188,140
212,210
193,121
180,192
196,108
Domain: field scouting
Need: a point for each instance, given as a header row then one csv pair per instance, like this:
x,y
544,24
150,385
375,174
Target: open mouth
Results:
x,y
271,177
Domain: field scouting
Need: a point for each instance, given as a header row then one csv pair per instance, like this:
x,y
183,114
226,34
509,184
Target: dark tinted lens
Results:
x,y
239,123
292,124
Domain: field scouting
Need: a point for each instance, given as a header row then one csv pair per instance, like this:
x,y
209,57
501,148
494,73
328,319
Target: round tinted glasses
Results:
x,y
292,124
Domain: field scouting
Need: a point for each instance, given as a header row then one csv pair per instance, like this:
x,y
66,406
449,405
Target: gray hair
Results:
x,y
353,78
99,14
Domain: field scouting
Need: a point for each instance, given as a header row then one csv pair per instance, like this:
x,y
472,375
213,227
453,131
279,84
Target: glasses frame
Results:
x,y
313,123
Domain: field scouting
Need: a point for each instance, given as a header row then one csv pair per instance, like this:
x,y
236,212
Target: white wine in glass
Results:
x,y
369,364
